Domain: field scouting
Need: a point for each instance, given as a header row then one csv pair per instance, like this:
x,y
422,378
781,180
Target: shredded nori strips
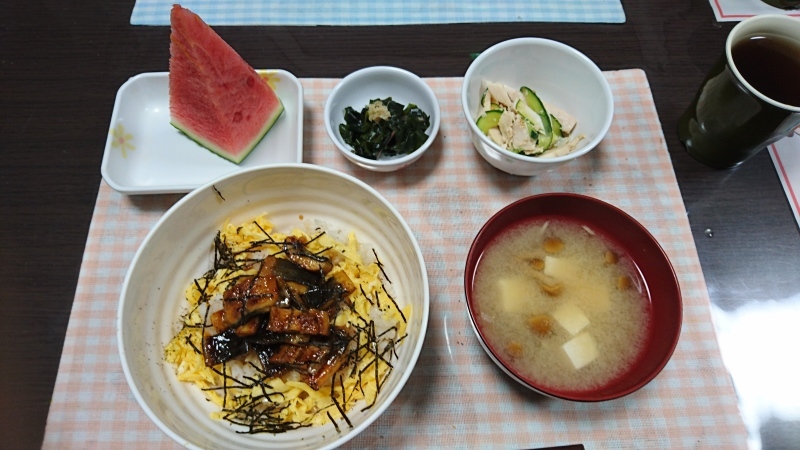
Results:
x,y
263,413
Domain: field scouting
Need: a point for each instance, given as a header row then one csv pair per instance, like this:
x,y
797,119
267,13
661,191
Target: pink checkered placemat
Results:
x,y
456,396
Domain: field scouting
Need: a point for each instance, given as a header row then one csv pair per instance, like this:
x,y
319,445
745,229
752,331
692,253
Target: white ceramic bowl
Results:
x,y
357,89
560,75
178,249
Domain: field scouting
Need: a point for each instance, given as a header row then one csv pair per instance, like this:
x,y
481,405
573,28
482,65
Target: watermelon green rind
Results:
x,y
221,152
216,98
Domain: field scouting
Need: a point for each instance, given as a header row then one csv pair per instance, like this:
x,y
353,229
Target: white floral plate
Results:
x,y
144,154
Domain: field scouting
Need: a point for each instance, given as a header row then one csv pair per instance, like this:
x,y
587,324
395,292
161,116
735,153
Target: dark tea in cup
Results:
x,y
771,64
751,96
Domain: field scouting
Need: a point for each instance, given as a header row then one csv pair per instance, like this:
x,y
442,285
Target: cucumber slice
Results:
x,y
489,120
532,100
486,101
533,133
556,127
536,105
529,115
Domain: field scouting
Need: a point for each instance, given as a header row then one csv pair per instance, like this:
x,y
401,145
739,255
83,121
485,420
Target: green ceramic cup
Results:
x,y
729,121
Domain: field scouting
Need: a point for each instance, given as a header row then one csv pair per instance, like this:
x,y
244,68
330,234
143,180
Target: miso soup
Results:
x,y
563,306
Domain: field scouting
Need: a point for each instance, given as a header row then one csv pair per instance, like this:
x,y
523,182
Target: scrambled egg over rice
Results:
x,y
293,401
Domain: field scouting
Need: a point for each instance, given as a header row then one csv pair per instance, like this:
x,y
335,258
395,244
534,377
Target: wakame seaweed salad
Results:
x,y
399,134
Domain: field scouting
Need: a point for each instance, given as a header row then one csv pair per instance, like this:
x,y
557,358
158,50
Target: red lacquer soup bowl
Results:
x,y
659,286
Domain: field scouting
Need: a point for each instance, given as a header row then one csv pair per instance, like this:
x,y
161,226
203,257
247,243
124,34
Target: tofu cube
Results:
x,y
561,268
571,318
597,294
581,350
514,294
601,298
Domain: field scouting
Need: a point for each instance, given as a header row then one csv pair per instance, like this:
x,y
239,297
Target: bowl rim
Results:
x,y
209,189
472,261
536,41
372,71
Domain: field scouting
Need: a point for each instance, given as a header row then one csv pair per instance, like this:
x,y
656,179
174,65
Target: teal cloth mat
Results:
x,y
377,12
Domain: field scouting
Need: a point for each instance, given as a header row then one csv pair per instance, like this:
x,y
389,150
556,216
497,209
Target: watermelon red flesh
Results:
x,y
215,97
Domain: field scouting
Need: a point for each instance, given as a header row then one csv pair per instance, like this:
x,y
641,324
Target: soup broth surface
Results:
x,y
561,305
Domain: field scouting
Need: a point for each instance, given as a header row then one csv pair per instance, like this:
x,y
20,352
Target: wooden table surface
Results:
x,y
61,64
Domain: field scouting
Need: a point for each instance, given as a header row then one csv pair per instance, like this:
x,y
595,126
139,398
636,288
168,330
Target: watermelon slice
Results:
x,y
215,97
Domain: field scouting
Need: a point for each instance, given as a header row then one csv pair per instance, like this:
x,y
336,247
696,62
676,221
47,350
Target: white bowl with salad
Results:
x,y
535,104
382,118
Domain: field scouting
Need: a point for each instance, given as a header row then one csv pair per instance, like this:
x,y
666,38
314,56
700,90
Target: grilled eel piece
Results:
x,y
285,320
276,313
249,296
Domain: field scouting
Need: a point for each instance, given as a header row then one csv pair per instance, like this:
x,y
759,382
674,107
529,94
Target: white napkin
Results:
x,y
735,10
786,157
